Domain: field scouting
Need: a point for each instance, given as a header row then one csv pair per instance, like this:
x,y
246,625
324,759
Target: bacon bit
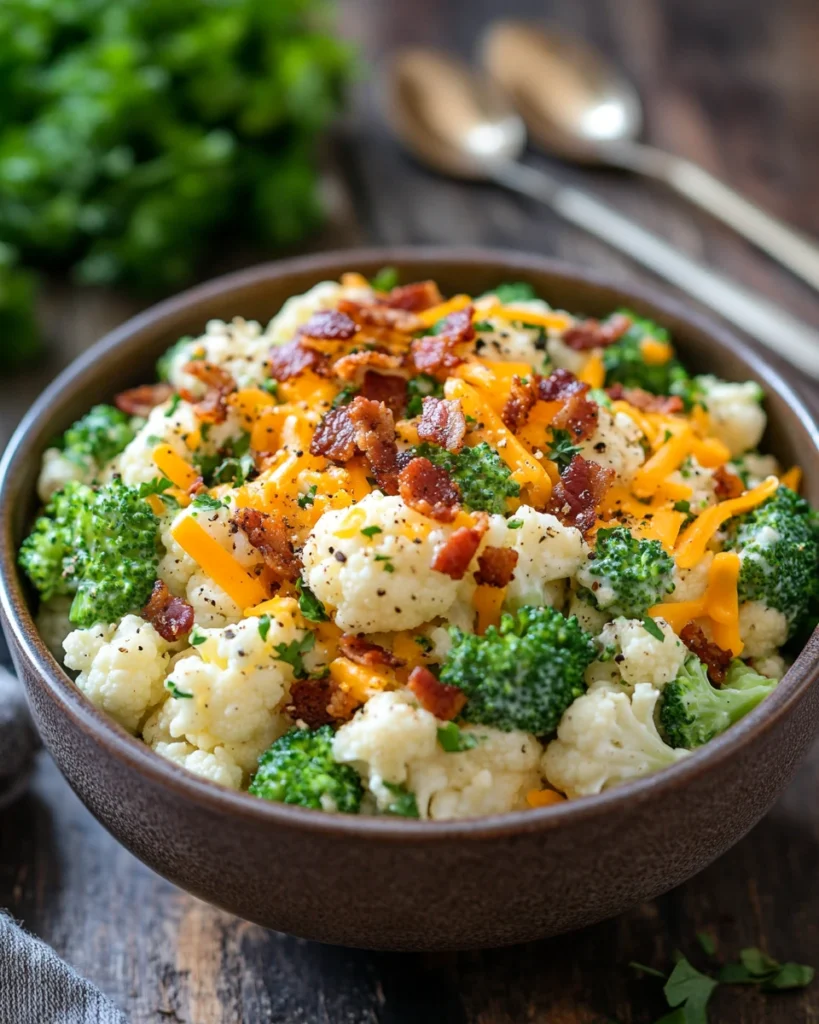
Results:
x,y
415,297
434,353
380,317
644,400
334,437
520,402
455,554
139,401
430,490
362,652
348,367
386,388
593,334
218,383
443,423
374,432
579,492
170,616
286,361
496,566
440,699
710,654
578,414
727,484
268,535
330,325
318,702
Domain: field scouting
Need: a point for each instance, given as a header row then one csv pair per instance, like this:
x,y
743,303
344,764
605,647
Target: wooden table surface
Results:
x,y
733,84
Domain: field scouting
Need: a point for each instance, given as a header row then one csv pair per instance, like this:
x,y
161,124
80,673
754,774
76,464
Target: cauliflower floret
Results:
x,y
239,346
298,309
216,766
590,618
509,342
391,740
229,690
57,470
547,551
121,668
641,657
211,605
735,410
615,444
606,738
700,480
691,584
566,358
773,666
753,468
135,464
382,582
763,630
53,624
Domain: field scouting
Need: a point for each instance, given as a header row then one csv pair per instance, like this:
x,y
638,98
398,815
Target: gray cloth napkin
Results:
x,y
37,987
18,740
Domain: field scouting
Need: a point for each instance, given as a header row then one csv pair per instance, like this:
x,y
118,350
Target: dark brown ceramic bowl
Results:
x,y
386,883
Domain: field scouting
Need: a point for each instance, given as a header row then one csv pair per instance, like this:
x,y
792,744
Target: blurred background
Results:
x,y
148,144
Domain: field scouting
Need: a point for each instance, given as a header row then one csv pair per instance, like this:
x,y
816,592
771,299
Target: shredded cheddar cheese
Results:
x,y
217,563
179,472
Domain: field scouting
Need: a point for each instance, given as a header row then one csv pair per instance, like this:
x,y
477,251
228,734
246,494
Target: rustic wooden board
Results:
x,y
733,84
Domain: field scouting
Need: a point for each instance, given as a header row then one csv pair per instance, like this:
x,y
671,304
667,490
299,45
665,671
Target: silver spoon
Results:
x,y
463,127
578,106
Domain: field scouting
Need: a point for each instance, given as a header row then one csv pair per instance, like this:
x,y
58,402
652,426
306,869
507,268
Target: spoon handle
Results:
x,y
772,235
769,324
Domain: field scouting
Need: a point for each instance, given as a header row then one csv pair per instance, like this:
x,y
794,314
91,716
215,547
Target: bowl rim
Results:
x,y
133,753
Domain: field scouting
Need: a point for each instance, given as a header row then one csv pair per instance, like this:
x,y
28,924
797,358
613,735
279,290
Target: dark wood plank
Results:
x,y
733,85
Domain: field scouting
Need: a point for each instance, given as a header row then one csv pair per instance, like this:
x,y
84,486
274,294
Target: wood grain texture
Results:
x,y
734,85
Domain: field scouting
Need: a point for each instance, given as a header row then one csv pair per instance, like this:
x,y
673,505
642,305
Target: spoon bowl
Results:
x,y
448,118
574,101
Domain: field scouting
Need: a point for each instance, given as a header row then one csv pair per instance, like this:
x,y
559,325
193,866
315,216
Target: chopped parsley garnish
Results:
x,y
403,804
292,653
514,524
385,280
309,605
483,326
561,450
419,388
513,291
651,627
176,398
757,968
207,501
424,643
174,690
197,638
345,396
371,531
271,386
307,499
453,740
264,626
682,506
387,561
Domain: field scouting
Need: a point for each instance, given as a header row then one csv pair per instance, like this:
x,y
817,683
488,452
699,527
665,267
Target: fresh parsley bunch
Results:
x,y
132,134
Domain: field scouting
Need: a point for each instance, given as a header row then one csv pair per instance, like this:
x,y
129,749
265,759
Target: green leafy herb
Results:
x,y
689,988
270,386
514,524
207,501
371,531
345,396
453,740
707,944
757,968
483,326
176,398
419,388
307,499
403,804
682,506
651,627
424,643
292,653
387,562
561,450
174,690
513,291
309,605
196,638
385,280
264,626
644,969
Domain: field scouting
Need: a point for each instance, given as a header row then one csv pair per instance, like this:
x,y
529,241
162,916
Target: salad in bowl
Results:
x,y
401,553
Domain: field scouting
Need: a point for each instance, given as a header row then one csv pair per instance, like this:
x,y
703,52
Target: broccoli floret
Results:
x,y
99,544
778,543
484,479
692,711
624,362
522,675
417,390
513,291
298,768
629,575
100,435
